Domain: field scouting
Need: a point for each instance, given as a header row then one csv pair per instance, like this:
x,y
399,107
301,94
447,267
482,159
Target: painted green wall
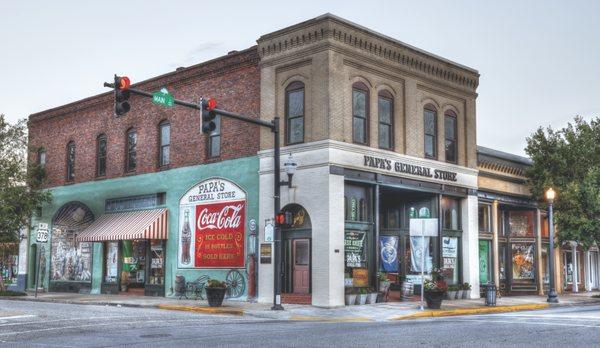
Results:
x,y
175,182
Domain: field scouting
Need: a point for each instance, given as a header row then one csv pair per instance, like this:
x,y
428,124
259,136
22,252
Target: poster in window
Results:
x,y
388,246
360,277
484,249
522,261
354,246
112,262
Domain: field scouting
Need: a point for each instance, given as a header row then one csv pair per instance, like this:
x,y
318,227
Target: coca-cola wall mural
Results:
x,y
212,220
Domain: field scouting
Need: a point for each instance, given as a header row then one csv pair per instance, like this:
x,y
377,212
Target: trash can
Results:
x,y
490,294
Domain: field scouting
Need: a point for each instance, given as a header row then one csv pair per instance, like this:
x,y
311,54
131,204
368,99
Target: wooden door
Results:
x,y
301,266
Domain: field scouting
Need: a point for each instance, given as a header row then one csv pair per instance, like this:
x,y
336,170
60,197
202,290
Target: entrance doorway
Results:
x,y
134,267
297,256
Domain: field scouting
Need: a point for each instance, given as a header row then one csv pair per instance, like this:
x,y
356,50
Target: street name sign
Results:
x,y
163,97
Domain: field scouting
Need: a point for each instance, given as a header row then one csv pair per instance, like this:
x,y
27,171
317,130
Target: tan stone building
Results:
x,y
382,132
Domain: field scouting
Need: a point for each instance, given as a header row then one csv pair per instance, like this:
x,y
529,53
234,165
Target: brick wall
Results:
x,y
234,80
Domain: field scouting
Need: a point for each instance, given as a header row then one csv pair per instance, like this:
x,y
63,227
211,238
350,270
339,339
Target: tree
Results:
x,y
568,160
21,193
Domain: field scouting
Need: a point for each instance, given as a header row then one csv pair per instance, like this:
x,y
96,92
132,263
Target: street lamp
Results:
x,y
550,195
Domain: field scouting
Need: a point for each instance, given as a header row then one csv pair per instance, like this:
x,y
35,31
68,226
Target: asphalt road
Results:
x,y
32,324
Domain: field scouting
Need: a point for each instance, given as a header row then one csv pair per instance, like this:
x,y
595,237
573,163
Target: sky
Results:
x,y
539,60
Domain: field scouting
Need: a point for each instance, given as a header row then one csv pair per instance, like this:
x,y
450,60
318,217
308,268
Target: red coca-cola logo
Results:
x,y
228,217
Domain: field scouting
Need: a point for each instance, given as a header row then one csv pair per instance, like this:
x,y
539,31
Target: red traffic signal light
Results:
x,y
211,104
208,115
122,82
284,218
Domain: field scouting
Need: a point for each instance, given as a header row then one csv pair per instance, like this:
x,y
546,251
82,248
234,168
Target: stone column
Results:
x,y
495,251
575,267
538,254
470,243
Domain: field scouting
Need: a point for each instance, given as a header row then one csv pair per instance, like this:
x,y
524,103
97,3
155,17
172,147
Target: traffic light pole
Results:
x,y
274,127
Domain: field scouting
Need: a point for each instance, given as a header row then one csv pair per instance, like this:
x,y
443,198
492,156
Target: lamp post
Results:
x,y
550,195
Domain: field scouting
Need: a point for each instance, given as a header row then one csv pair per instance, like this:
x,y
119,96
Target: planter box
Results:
x,y
350,299
372,298
215,296
361,299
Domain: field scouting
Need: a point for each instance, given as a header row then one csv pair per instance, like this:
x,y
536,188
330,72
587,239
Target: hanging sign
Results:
x,y
354,246
212,220
388,246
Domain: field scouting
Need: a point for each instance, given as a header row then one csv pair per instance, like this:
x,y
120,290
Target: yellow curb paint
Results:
x,y
205,310
471,311
330,319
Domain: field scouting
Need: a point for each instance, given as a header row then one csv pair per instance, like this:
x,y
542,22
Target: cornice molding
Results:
x,y
335,29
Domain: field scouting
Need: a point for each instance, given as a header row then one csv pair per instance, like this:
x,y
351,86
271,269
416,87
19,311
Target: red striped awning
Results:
x,y
143,224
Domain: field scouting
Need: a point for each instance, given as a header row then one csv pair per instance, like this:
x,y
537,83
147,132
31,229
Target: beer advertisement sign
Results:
x,y
212,224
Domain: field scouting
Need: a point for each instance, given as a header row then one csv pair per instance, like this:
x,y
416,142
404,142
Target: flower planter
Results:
x,y
451,294
215,296
361,299
434,299
465,294
459,294
372,297
350,299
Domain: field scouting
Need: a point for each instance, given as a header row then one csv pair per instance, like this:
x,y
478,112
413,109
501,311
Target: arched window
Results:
x,y
71,161
430,131
41,157
165,143
294,113
130,161
360,113
385,109
101,155
450,136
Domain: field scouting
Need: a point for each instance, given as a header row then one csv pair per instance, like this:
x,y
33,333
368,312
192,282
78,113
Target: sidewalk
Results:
x,y
376,312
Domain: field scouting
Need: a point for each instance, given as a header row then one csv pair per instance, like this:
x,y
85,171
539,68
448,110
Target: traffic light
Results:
x,y
122,95
208,115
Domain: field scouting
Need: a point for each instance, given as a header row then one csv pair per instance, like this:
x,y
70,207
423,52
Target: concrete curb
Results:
x,y
204,310
331,319
472,311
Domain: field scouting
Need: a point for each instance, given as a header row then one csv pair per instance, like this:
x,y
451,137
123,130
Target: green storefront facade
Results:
x,y
105,198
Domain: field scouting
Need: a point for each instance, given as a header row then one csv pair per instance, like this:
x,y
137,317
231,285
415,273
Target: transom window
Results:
x,y
294,113
71,161
450,136
101,155
360,113
165,143
430,130
131,160
385,106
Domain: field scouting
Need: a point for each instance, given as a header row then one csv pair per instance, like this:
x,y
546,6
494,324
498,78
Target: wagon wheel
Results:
x,y
236,284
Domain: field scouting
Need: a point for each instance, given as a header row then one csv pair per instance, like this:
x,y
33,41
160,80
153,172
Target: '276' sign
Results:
x,y
212,235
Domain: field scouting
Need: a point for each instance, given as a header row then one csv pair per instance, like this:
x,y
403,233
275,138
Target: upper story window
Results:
x,y
101,155
165,143
360,113
430,131
294,113
450,136
71,161
130,161
214,139
385,106
41,157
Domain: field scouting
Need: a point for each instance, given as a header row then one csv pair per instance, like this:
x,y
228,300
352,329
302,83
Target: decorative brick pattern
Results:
x,y
234,80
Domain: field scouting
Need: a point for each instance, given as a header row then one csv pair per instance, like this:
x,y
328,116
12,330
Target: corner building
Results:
x,y
382,132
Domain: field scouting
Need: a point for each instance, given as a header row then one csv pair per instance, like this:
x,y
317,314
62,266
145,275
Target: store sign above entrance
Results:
x,y
399,167
212,220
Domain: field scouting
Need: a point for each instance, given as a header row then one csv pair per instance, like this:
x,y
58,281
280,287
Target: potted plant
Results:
x,y
459,292
435,289
361,299
466,290
452,289
215,292
372,296
350,296
384,282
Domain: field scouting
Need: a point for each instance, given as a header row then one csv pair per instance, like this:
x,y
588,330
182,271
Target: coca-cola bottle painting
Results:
x,y
186,238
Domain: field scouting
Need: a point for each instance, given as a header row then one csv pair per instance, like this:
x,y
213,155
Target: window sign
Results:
x,y
354,245
484,250
522,257
388,246
450,258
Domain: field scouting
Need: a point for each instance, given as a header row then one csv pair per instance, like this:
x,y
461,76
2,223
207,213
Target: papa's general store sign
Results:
x,y
399,167
212,220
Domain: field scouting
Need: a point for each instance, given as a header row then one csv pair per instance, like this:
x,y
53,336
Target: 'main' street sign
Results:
x,y
163,97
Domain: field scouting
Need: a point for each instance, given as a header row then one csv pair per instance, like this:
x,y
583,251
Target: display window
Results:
x,y
157,262
9,262
111,262
523,261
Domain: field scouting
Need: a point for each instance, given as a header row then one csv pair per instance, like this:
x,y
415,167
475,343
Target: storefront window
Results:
x,y
520,223
522,261
9,262
71,261
111,262
157,273
356,258
358,206
450,259
484,218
